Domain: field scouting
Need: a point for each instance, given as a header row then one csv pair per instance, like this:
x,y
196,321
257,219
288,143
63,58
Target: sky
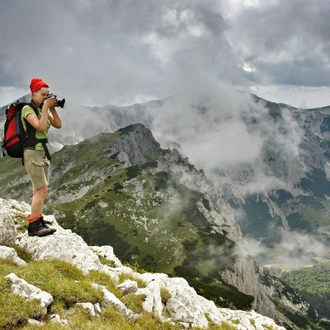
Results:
x,y
121,52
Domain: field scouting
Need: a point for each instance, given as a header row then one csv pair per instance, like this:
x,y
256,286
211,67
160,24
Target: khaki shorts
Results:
x,y
37,166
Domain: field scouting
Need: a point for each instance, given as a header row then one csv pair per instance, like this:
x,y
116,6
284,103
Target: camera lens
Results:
x,y
61,103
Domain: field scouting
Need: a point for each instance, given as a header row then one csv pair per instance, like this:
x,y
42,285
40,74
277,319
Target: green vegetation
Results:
x,y
224,295
134,209
165,294
63,281
68,285
298,320
313,283
14,309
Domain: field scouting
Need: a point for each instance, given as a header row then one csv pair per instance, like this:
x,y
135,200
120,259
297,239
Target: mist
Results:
x,y
224,132
294,251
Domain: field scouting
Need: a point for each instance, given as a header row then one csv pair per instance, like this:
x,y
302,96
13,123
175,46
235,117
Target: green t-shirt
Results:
x,y
39,134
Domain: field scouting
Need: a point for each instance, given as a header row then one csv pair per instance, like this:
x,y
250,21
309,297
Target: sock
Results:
x,y
31,219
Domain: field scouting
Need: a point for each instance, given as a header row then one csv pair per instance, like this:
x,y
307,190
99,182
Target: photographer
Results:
x,y
37,117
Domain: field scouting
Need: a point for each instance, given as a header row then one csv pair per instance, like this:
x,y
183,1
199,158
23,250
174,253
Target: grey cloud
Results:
x,y
101,48
286,41
295,250
105,52
8,74
305,72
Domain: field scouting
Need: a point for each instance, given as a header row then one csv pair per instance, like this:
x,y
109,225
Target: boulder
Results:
x,y
29,291
64,245
10,253
128,287
110,299
8,230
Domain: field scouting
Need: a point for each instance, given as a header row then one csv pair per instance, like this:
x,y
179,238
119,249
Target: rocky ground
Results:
x,y
184,307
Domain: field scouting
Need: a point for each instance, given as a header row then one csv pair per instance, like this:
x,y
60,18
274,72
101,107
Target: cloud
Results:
x,y
120,52
285,41
294,251
232,138
110,52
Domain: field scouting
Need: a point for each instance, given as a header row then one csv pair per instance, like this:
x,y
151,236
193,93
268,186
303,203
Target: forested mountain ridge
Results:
x,y
313,285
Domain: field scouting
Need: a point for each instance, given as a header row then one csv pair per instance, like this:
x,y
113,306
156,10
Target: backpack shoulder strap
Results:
x,y
31,139
35,109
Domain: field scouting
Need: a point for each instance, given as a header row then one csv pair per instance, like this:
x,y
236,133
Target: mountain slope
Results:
x,y
155,209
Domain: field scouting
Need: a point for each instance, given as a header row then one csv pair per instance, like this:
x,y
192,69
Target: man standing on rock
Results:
x,y
37,117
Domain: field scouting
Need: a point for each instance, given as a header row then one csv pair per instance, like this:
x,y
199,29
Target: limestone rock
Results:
x,y
29,291
245,278
55,318
90,307
11,254
14,206
192,308
64,245
8,231
112,300
179,311
35,322
114,272
138,143
249,320
107,253
128,287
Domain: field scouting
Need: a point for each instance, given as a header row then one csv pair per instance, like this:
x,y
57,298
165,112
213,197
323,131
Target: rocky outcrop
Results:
x,y
65,245
137,142
245,277
29,292
8,231
182,306
10,254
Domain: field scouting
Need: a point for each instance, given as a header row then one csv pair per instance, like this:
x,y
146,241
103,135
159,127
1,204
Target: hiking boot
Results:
x,y
36,228
45,225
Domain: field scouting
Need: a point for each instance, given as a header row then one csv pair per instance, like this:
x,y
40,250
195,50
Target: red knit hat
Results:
x,y
37,83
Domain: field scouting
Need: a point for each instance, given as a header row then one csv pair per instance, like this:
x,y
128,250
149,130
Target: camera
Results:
x,y
60,103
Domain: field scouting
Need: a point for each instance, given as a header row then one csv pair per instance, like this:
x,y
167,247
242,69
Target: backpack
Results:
x,y
15,137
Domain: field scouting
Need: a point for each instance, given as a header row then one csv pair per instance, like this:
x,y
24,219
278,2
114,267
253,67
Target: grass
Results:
x,y
165,294
14,309
68,286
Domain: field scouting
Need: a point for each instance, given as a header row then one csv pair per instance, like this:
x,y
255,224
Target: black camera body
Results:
x,y
60,103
